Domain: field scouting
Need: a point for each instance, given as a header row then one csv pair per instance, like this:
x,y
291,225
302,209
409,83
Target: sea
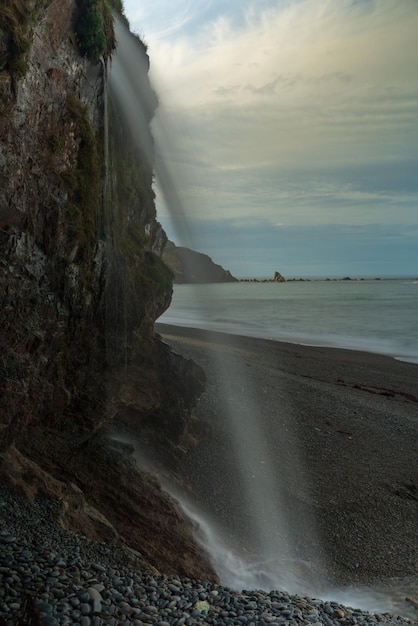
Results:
x,y
373,315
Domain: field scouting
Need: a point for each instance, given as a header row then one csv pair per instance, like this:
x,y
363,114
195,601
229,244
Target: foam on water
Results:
x,y
240,572
371,316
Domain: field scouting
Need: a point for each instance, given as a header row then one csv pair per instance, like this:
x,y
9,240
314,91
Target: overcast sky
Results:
x,y
289,130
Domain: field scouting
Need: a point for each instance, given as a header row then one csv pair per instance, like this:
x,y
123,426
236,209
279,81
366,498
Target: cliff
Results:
x,y
81,284
189,266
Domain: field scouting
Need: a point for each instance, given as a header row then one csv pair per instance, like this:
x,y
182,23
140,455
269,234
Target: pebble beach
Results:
x,y
352,410
72,580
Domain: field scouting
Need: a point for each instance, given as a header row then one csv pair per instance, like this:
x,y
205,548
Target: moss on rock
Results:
x,y
83,181
17,19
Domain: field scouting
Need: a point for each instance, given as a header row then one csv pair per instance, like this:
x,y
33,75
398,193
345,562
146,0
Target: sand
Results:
x,y
342,430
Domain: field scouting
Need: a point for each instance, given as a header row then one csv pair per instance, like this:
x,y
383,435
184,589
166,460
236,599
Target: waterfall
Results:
x,y
279,550
275,560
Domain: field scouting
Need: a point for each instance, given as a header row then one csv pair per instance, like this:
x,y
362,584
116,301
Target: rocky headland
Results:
x,y
189,266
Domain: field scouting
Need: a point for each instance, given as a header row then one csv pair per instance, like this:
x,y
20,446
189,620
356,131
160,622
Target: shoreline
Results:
x,y
304,342
204,335
353,422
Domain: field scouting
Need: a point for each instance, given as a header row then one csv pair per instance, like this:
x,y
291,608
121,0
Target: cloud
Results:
x,y
301,112
308,67
346,195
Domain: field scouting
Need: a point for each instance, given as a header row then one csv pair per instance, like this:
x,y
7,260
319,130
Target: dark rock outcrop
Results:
x,y
127,506
278,278
189,266
79,293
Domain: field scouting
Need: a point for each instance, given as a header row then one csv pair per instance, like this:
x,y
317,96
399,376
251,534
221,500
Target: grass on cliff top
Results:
x,y
95,28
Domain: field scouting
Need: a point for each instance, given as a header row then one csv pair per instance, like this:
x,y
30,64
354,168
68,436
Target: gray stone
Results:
x,y
94,593
85,608
96,606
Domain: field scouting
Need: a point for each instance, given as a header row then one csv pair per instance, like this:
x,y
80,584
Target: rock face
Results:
x,y
51,257
79,294
189,266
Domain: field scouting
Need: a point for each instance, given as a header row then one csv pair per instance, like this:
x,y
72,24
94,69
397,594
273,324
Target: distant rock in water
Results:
x,y
278,278
189,266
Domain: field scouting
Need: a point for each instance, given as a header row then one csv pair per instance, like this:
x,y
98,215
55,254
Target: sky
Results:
x,y
286,136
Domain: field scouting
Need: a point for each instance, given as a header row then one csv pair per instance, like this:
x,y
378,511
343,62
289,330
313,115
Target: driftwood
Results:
x,y
30,616
412,602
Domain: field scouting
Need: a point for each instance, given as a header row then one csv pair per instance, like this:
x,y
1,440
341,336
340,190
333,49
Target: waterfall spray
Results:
x,y
275,558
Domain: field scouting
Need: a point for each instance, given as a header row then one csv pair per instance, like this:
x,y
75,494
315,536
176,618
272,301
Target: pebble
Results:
x,y
76,581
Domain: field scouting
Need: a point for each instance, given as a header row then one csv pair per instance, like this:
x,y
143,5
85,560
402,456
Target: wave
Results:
x,y
375,317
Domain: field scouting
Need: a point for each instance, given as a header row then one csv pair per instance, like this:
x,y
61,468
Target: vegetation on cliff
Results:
x,y
94,29
83,180
17,19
